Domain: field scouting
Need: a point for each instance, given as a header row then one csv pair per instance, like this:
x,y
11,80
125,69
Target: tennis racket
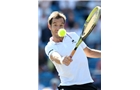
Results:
x,y
89,25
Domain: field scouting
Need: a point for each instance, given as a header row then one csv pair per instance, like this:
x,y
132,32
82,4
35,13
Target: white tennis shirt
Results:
x,y
77,72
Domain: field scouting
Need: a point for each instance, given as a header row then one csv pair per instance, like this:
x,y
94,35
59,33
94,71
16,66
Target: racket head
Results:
x,y
89,25
91,21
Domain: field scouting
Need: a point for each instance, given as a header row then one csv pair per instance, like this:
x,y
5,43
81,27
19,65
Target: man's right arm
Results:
x,y
56,57
53,54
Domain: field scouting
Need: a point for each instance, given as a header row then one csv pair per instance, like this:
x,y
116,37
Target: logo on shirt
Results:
x,y
73,41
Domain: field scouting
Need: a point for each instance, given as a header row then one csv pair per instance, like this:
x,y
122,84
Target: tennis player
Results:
x,y
73,72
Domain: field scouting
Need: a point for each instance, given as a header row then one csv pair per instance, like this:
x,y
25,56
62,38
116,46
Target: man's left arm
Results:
x,y
88,51
92,53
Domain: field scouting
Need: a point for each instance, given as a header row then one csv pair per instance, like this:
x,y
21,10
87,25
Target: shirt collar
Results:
x,y
57,42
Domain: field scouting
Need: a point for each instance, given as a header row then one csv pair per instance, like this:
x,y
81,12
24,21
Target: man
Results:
x,y
74,72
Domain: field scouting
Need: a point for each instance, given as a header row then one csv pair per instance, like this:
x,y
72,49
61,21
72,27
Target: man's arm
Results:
x,y
59,60
92,53
56,57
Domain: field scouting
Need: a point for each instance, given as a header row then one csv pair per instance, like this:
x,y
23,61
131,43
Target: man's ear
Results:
x,y
49,26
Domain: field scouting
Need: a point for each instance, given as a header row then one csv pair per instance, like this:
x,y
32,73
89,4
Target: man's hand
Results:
x,y
67,60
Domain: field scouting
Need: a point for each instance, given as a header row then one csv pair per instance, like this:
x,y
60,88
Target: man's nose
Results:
x,y
58,28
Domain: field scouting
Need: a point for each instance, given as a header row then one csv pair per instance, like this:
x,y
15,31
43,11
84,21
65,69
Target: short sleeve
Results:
x,y
83,45
49,50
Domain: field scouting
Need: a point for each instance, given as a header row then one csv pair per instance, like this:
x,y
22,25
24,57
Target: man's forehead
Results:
x,y
54,20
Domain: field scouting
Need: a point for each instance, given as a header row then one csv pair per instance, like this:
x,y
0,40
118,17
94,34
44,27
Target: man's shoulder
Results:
x,y
49,45
71,33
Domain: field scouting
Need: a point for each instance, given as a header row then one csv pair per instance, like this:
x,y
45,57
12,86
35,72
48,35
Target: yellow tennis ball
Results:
x,y
61,32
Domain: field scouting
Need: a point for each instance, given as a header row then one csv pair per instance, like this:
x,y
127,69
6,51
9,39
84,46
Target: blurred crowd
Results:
x,y
76,12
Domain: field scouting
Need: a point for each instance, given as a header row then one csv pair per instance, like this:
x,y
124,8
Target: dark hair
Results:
x,y
56,15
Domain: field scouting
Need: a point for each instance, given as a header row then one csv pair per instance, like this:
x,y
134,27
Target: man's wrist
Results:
x,y
61,60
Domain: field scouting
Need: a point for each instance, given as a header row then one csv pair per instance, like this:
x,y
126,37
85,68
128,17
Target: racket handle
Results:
x,y
72,53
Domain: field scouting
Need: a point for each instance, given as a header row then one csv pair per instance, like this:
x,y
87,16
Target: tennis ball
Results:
x,y
61,32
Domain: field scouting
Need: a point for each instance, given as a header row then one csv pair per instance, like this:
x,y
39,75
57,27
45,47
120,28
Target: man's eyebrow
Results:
x,y
55,23
62,22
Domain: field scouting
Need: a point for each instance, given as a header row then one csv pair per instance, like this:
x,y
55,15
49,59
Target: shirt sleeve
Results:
x,y
49,50
83,45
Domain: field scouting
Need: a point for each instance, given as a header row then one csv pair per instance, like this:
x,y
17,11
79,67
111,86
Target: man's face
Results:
x,y
56,25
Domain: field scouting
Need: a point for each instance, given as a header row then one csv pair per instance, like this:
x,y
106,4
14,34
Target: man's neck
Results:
x,y
59,39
